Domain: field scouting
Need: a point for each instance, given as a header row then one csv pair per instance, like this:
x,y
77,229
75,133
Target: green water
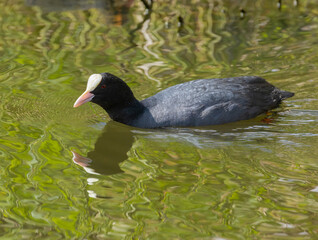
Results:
x,y
247,180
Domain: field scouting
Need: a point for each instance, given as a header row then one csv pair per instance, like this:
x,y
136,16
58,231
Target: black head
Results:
x,y
106,90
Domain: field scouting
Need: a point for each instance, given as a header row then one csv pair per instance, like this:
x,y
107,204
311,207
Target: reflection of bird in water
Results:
x,y
200,102
117,9
110,149
116,140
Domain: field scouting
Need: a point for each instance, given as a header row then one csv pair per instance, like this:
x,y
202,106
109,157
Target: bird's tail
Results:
x,y
285,94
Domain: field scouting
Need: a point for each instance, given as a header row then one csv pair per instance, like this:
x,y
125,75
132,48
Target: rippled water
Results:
x,y
72,174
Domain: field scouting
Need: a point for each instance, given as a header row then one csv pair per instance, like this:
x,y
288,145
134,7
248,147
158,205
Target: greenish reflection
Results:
x,y
249,180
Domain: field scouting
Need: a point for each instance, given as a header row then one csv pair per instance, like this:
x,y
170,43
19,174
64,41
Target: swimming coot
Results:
x,y
196,103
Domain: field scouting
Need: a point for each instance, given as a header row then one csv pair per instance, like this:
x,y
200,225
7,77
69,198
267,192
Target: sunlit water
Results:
x,y
255,179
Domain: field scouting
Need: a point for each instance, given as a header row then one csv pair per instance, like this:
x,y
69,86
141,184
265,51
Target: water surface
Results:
x,y
253,179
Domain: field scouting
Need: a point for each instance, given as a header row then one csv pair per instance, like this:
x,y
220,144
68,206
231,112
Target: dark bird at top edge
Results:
x,y
199,102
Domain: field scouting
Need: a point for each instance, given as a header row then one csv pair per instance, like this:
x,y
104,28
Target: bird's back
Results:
x,y
210,102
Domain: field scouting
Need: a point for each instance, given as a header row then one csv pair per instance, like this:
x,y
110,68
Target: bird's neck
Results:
x,y
125,112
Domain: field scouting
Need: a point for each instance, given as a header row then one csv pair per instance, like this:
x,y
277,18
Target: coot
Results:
x,y
196,103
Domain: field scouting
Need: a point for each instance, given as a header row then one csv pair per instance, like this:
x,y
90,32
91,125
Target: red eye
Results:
x,y
103,86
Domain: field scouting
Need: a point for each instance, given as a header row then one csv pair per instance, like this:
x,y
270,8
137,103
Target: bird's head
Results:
x,y
106,90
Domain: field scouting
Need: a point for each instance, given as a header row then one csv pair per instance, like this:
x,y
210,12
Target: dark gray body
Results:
x,y
209,102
